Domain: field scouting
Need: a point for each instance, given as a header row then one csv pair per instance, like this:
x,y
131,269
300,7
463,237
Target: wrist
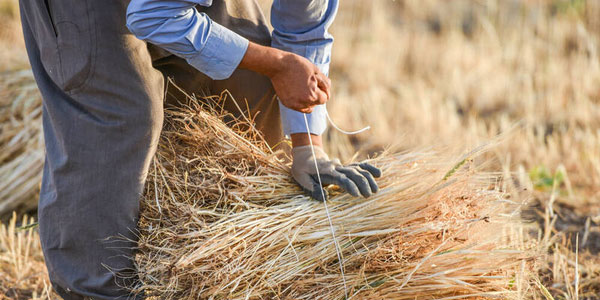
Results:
x,y
265,60
303,139
276,62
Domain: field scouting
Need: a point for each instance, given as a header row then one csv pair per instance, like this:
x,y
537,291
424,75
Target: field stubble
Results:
x,y
455,73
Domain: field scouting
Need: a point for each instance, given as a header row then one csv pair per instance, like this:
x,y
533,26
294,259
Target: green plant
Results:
x,y
545,180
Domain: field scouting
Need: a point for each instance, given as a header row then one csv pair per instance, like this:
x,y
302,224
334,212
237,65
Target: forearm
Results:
x,y
264,60
179,28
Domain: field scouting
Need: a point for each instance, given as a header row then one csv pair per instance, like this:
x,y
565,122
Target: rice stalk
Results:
x,y
21,141
22,271
221,218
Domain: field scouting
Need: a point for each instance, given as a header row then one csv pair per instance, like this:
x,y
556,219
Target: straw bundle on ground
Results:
x,y
21,141
222,219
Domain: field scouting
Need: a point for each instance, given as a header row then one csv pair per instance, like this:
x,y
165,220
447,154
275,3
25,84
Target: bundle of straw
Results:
x,y
222,219
21,141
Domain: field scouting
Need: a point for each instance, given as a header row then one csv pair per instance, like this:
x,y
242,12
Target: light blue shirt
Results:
x,y
300,26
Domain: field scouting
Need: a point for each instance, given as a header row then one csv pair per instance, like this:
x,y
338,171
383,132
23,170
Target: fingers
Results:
x,y
356,179
371,169
311,187
303,107
359,180
319,193
316,92
322,97
342,181
363,176
372,183
316,97
307,110
321,90
324,84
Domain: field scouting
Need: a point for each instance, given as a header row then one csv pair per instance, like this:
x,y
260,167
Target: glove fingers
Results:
x,y
336,162
342,181
311,187
359,180
319,193
369,177
375,171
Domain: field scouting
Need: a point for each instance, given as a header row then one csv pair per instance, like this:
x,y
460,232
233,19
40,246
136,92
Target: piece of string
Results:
x,y
338,250
338,128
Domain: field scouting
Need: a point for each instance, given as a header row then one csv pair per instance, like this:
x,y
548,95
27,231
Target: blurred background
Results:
x,y
424,74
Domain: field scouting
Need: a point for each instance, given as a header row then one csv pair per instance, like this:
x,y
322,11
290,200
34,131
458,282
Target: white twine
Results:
x,y
339,129
338,249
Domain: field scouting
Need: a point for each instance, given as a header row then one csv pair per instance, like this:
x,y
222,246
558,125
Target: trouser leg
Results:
x,y
249,89
102,115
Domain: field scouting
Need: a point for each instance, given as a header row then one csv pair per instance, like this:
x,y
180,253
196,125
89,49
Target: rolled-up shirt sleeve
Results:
x,y
179,28
301,27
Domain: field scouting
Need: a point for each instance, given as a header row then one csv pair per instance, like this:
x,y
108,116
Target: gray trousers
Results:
x,y
103,95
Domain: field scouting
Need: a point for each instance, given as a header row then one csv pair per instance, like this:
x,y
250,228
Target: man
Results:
x,y
103,92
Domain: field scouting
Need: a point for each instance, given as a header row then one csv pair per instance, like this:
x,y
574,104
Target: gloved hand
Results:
x,y
355,178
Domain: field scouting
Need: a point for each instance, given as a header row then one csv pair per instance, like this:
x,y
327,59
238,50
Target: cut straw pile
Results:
x,y
21,141
222,219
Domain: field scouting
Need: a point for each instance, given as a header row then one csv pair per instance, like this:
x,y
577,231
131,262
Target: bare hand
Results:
x,y
300,85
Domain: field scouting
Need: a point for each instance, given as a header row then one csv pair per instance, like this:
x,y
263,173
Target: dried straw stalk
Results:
x,y
222,219
21,141
22,271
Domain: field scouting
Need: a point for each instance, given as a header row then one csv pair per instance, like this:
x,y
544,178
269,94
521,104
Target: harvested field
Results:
x,y
444,76
22,271
221,217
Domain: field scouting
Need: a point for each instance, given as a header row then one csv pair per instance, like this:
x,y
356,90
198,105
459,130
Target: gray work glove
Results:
x,y
355,178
